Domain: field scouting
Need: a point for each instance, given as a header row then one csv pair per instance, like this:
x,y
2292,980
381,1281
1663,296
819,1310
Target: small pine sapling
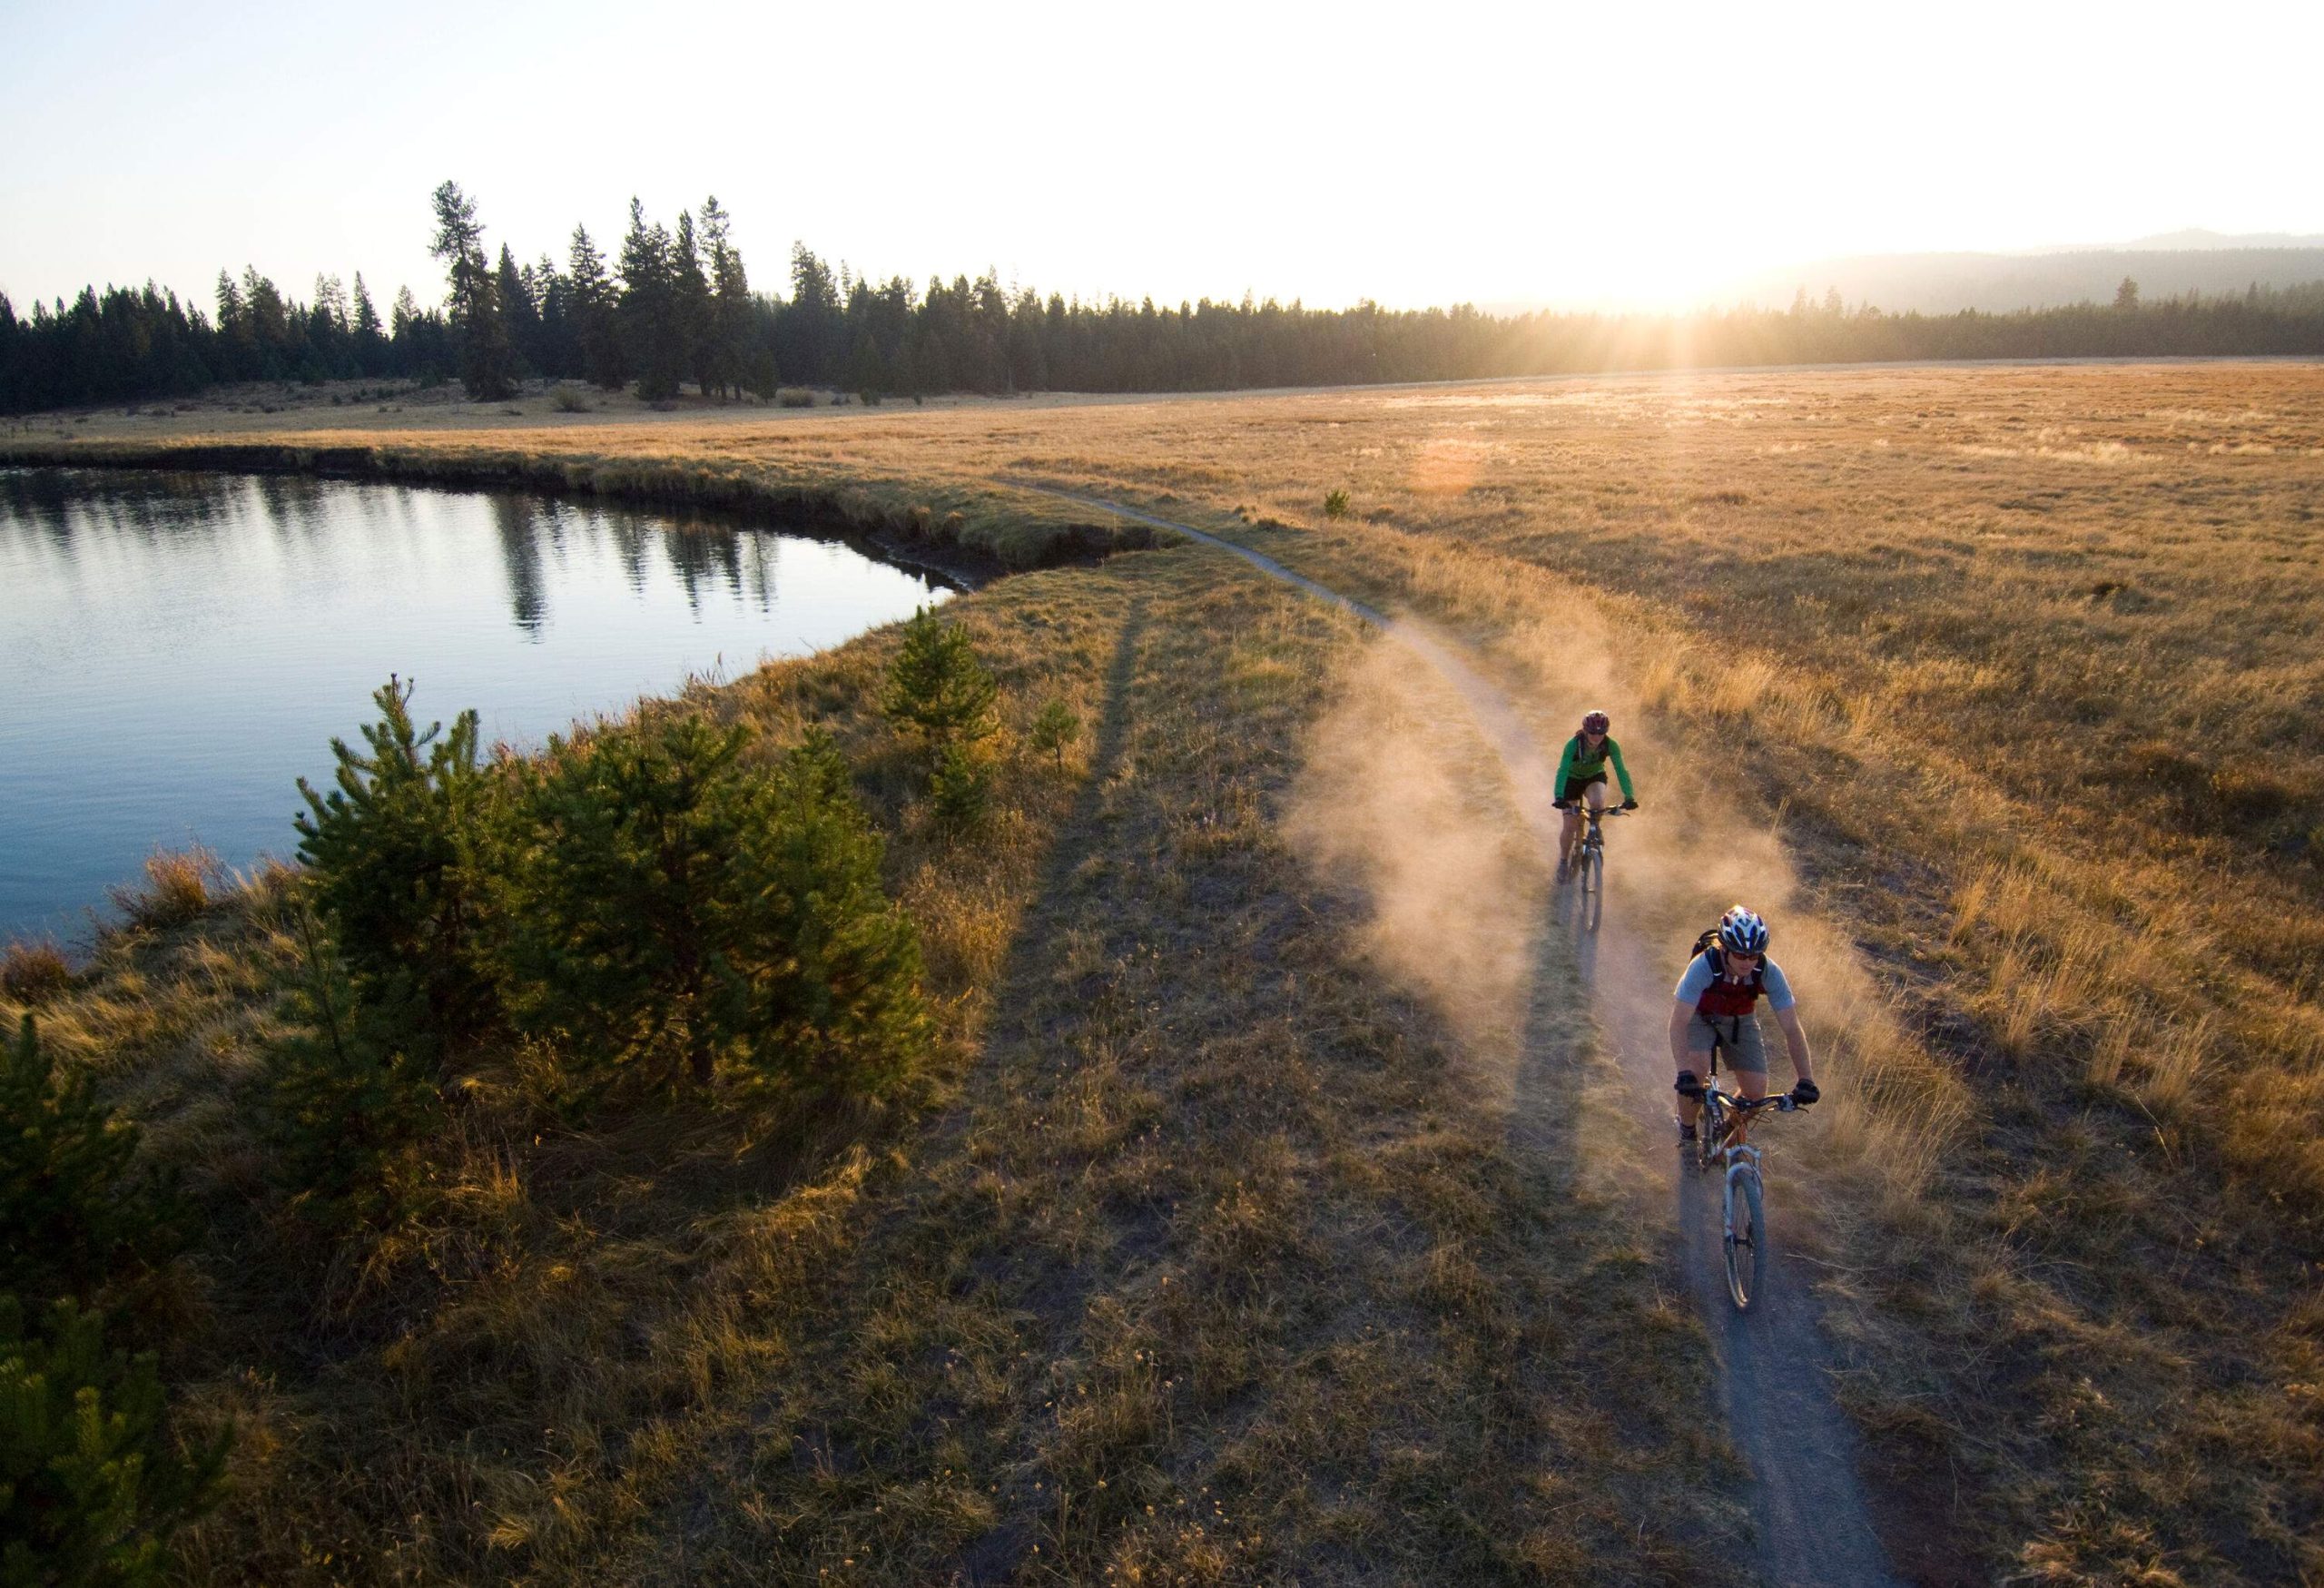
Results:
x,y
827,997
74,1202
393,852
348,1109
960,791
1056,729
937,692
92,1486
614,909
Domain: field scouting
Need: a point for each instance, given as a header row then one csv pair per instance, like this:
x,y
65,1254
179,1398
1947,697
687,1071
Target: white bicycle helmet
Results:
x,y
1742,931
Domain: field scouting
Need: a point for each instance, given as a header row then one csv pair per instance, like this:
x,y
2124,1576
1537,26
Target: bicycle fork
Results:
x,y
1740,1162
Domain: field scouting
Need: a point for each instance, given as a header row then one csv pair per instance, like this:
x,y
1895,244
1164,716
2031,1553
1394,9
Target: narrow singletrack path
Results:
x,y
1813,1526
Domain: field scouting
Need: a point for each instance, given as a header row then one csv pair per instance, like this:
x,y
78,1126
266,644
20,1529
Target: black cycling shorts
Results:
x,y
1571,788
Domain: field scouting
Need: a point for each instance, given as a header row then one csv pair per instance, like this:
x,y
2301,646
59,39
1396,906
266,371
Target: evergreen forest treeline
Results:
x,y
673,307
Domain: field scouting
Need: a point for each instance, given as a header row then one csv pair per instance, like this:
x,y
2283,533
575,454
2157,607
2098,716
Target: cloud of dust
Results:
x,y
1427,790
1402,800
1704,838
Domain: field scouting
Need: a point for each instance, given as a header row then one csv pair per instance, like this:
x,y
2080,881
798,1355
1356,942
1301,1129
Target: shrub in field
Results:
x,y
569,399
794,397
349,1104
72,1203
611,910
34,970
92,1486
392,851
937,692
764,380
177,887
939,695
1055,730
826,1000
669,907
1336,505
960,790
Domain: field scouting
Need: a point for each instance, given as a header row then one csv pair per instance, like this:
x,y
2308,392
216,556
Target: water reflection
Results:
x,y
176,648
520,552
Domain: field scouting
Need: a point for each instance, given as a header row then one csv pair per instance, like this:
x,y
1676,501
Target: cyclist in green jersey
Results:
x,y
1581,774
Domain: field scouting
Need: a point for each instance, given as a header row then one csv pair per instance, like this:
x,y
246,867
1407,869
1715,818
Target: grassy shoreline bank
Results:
x,y
1196,1259
983,532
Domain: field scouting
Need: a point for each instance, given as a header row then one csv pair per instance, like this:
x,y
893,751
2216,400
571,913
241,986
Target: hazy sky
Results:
x,y
1440,153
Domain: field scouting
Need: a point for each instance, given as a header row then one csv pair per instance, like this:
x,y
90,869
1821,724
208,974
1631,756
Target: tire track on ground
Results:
x,y
1813,1525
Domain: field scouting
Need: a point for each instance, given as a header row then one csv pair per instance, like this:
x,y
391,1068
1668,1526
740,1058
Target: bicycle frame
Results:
x,y
1724,1137
1589,860
1593,836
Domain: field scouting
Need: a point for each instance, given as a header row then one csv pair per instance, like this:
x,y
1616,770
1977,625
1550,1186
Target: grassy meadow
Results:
x,y
1203,1256
1193,1256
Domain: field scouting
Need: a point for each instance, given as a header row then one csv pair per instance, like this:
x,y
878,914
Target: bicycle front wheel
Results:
x,y
1746,1235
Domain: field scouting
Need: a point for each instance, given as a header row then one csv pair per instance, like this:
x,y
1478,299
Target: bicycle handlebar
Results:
x,y
1782,1102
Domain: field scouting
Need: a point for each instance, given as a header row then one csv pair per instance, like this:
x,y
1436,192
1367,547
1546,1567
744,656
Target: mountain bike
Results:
x,y
1722,1138
1590,865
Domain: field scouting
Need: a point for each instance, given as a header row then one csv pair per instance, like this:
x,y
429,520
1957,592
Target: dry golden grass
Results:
x,y
34,970
177,887
1198,1260
2000,684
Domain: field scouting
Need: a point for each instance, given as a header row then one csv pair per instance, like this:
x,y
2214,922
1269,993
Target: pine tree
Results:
x,y
594,330
731,314
349,1102
394,853
937,692
815,348
867,372
487,359
370,345
676,908
1055,730
560,355
827,999
691,306
615,907
92,1486
520,310
649,326
71,1200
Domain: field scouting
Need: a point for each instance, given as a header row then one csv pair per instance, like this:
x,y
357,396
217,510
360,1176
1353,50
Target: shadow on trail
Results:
x,y
1029,955
1807,1503
1551,1058
1604,984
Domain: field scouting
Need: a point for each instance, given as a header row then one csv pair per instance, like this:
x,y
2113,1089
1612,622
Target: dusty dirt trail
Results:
x,y
1813,1524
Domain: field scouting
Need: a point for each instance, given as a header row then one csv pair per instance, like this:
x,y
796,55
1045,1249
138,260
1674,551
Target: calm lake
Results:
x,y
177,649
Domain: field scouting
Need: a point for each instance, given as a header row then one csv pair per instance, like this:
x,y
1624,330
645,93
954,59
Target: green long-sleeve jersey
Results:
x,y
1578,761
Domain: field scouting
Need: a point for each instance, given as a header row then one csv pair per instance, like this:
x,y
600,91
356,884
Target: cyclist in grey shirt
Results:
x,y
1717,1002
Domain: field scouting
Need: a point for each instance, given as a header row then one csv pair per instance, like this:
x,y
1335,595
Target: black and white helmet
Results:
x,y
1742,931
1595,722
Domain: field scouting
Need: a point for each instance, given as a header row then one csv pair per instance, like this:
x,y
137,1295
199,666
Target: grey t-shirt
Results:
x,y
1697,981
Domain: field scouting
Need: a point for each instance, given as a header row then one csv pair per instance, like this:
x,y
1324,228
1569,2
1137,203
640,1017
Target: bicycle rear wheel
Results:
x,y
1746,1235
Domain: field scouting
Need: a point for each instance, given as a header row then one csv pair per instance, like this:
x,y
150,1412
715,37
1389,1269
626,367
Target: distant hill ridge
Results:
x,y
2195,237
2167,265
